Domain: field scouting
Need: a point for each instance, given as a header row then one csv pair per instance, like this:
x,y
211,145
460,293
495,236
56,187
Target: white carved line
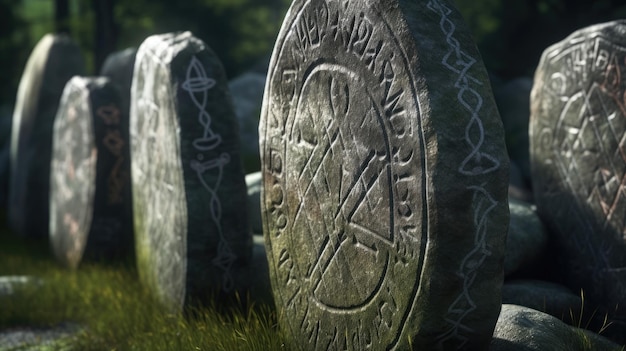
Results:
x,y
198,84
458,61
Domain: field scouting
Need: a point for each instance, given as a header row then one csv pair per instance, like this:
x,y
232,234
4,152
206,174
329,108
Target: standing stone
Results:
x,y
578,158
247,92
385,178
90,203
55,59
119,68
189,194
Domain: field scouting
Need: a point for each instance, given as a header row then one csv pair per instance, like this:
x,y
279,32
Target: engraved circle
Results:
x,y
332,118
353,60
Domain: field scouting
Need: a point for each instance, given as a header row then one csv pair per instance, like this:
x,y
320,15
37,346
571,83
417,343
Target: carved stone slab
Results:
x,y
578,154
90,204
54,60
189,192
119,67
384,178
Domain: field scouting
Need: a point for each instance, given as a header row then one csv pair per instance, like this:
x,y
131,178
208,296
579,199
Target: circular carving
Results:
x,y
336,146
578,147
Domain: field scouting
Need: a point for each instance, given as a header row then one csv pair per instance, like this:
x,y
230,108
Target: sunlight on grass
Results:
x,y
118,313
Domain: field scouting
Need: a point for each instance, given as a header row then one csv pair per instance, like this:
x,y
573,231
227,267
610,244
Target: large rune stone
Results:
x,y
189,193
578,154
90,203
384,178
54,60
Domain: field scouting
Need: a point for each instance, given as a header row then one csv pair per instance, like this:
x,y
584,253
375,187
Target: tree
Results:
x,y
61,16
106,31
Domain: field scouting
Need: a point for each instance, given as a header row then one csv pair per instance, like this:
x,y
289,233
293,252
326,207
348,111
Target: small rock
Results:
x,y
551,298
527,238
524,329
8,284
38,339
247,94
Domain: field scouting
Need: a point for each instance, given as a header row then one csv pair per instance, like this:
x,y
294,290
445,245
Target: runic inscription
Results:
x,y
383,164
578,144
89,195
342,123
188,184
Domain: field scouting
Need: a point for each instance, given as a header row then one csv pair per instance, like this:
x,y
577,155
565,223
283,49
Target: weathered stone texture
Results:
x,y
189,193
578,154
90,203
54,60
385,178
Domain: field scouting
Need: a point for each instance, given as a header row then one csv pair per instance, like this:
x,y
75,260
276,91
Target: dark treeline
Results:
x,y
511,34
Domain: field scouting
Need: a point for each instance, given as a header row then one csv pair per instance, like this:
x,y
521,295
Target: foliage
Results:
x,y
512,35
14,46
241,32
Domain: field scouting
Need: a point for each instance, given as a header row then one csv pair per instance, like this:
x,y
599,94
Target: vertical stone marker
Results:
x,y
189,193
385,178
54,60
578,158
119,67
90,203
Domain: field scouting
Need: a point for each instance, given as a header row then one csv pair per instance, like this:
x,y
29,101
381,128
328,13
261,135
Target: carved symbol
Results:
x,y
328,147
321,145
478,162
110,114
197,84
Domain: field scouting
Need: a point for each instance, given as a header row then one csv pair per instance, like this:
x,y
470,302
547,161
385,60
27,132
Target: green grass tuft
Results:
x,y
117,313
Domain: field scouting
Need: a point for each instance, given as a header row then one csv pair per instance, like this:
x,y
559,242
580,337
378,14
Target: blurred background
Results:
x,y
511,34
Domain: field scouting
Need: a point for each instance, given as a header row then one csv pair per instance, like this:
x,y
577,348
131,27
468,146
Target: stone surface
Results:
x,y
90,196
551,298
524,329
247,92
119,67
189,193
57,338
254,183
54,60
578,153
385,178
8,284
527,239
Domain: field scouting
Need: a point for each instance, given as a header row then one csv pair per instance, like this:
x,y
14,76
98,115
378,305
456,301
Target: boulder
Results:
x,y
524,329
385,178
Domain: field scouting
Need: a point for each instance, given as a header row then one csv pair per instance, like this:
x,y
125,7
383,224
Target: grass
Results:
x,y
117,313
